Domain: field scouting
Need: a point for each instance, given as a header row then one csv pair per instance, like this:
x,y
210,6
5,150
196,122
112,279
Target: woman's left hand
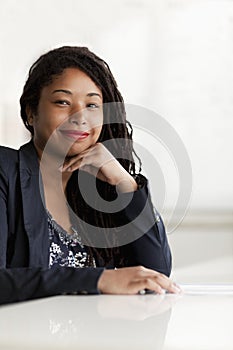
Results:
x,y
98,161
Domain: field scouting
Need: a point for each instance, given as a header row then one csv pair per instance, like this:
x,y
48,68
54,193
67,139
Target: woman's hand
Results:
x,y
131,280
98,161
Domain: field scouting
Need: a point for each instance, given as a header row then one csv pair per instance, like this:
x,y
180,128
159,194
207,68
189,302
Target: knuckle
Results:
x,y
170,284
146,280
139,268
161,276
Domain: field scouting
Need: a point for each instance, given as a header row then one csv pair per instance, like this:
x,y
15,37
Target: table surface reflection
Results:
x,y
200,318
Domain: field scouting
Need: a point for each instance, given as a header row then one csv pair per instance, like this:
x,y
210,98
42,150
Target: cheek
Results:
x,y
47,122
42,126
95,120
97,132
96,124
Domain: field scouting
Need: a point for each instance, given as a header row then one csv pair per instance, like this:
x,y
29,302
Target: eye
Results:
x,y
62,102
92,106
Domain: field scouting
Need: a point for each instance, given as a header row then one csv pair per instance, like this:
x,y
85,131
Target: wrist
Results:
x,y
117,176
127,184
102,282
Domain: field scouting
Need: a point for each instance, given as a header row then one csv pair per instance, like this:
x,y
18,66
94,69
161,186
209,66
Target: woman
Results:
x,y
53,241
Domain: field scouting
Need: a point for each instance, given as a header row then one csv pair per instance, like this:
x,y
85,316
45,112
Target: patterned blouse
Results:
x,y
66,249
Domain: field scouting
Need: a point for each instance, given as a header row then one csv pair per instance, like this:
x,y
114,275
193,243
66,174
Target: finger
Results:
x,y
72,166
77,161
68,164
164,281
167,284
84,164
147,283
73,160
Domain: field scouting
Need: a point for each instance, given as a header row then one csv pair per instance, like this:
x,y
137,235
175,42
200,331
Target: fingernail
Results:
x,y
60,168
177,286
176,289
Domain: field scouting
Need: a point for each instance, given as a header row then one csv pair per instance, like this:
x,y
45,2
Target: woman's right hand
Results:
x,y
130,280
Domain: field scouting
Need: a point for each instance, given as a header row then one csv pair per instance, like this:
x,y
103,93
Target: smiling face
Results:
x,y
69,113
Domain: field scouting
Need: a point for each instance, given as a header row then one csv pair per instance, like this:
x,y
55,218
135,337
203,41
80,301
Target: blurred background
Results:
x,y
174,57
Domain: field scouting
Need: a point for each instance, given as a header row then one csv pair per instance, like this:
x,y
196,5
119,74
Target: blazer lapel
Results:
x,y
34,214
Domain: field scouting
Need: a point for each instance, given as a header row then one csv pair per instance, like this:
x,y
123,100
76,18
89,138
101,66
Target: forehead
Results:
x,y
75,80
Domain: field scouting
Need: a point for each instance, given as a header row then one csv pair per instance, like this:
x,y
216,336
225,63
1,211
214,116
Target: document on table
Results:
x,y
213,289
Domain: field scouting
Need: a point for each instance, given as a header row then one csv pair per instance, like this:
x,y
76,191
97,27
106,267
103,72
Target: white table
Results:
x,y
202,318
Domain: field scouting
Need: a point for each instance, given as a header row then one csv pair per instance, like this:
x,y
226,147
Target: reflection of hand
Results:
x,y
136,307
98,161
130,280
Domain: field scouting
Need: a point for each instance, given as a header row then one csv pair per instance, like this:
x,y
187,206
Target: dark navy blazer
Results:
x,y
24,239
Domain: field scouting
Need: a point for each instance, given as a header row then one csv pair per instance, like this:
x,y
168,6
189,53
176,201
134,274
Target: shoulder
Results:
x,y
8,158
8,154
11,156
7,151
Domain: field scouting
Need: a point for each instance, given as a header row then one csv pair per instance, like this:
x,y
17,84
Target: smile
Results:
x,y
75,134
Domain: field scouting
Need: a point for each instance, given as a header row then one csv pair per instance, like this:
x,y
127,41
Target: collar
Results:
x,y
34,213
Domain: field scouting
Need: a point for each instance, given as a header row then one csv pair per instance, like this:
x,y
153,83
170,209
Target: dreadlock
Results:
x,y
115,126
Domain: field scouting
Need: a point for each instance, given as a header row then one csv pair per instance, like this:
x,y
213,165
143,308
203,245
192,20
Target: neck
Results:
x,y
49,167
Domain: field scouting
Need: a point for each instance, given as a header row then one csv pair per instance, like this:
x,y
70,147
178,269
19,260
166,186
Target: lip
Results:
x,y
75,134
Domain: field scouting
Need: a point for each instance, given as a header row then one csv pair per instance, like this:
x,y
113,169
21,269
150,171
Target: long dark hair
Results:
x,y
115,127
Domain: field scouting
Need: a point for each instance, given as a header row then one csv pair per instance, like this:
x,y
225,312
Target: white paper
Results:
x,y
221,289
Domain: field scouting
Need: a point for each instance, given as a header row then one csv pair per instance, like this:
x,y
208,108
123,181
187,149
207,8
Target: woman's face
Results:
x,y
69,114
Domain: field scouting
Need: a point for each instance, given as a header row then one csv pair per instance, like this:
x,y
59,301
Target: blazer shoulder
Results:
x,y
7,149
8,157
7,153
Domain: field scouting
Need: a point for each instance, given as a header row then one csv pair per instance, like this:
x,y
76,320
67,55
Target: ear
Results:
x,y
30,115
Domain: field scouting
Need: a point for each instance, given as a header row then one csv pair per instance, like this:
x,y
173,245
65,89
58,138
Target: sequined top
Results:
x,y
66,249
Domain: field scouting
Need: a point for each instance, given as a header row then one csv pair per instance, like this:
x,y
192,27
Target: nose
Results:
x,y
78,117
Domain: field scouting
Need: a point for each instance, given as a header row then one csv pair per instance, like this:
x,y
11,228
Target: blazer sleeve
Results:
x,y
18,284
23,283
3,216
149,245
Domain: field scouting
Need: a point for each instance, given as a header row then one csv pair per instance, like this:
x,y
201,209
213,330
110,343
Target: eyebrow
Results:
x,y
90,94
62,90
